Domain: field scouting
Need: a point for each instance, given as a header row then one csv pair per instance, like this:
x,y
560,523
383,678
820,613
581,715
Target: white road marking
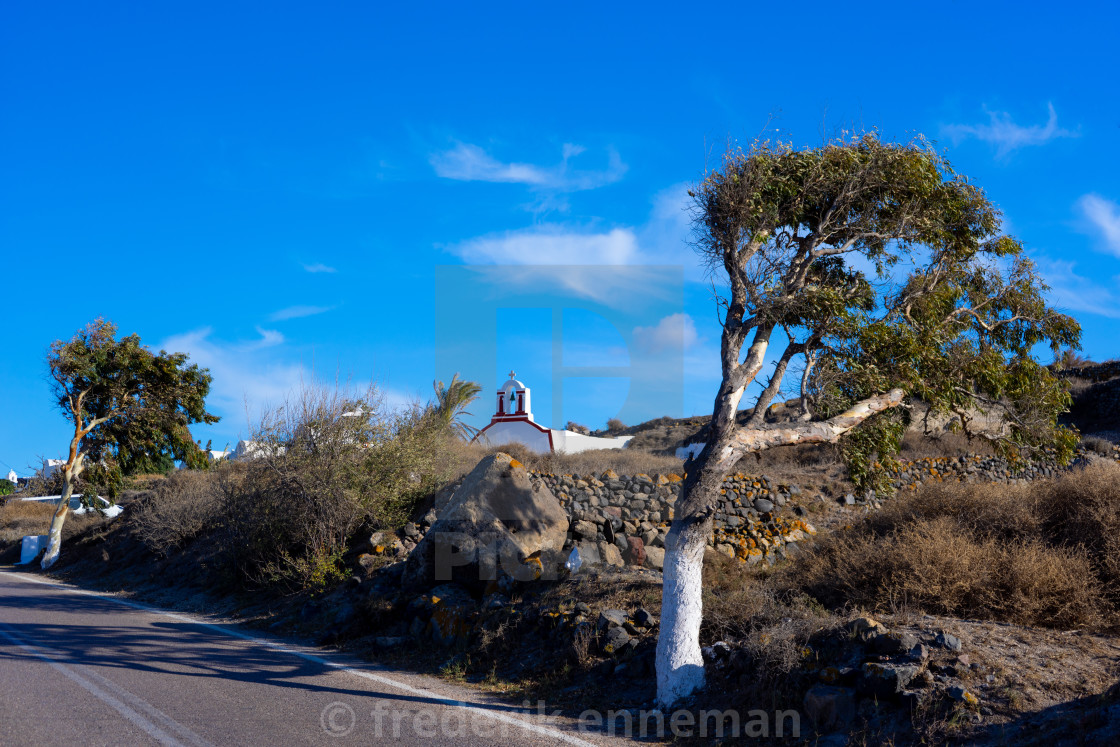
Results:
x,y
381,679
135,718
144,706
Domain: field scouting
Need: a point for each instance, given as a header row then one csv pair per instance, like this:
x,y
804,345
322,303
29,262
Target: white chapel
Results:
x,y
513,423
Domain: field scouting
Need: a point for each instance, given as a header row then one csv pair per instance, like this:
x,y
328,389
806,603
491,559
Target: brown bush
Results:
x,y
773,622
330,461
1044,554
180,508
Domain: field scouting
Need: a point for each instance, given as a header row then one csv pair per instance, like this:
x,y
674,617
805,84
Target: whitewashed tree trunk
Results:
x,y
680,666
54,536
70,472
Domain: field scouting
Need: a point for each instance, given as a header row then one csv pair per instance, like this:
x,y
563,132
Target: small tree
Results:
x,y
806,241
451,405
122,399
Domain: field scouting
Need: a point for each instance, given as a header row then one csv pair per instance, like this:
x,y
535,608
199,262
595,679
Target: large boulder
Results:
x,y
496,521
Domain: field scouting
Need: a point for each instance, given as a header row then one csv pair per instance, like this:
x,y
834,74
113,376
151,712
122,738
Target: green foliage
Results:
x,y
888,268
451,403
132,408
6,487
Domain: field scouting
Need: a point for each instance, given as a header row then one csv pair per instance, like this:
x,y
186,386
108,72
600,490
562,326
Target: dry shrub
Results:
x,y
1043,554
180,508
918,445
772,623
794,458
329,461
1082,509
734,597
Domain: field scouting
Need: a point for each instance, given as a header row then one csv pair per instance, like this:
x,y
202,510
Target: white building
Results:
x,y
13,477
253,450
50,466
513,423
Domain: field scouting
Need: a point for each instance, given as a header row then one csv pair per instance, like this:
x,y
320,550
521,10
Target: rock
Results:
x,y
644,618
867,628
829,707
894,643
610,554
885,679
443,497
912,700
611,619
585,530
589,553
615,640
494,522
763,506
960,693
636,551
452,613
655,558
924,678
949,641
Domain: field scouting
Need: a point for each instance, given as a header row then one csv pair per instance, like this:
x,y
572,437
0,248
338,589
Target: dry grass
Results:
x,y
622,461
21,518
1045,554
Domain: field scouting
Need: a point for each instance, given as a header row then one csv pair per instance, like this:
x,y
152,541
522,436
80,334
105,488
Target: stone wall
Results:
x,y
621,519
1095,372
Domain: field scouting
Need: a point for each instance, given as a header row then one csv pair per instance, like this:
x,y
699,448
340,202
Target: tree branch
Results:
x,y
774,385
748,440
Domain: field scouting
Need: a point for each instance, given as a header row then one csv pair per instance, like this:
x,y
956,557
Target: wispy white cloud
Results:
x,y
1104,217
576,256
319,267
1007,136
245,378
551,245
467,162
673,332
1074,292
296,312
269,338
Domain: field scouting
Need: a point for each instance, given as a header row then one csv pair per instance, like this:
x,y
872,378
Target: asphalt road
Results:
x,y
82,668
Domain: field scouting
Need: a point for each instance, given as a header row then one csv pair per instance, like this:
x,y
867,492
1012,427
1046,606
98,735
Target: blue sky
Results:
x,y
271,187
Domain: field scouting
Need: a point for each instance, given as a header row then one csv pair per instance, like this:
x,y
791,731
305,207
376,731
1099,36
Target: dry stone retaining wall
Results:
x,y
621,519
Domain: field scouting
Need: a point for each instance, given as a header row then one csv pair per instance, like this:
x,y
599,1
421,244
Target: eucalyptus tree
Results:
x,y
885,276
124,402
